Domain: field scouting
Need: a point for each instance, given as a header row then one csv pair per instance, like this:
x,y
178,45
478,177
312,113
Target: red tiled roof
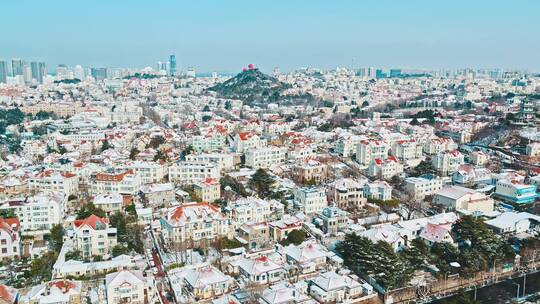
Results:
x,y
91,221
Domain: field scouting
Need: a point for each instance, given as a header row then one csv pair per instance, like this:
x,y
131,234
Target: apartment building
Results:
x,y
189,172
265,157
368,150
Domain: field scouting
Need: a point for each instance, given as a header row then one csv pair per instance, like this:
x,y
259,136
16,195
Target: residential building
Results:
x,y
39,213
515,191
408,152
330,287
447,162
310,200
309,171
189,172
385,168
208,190
265,157
368,150
157,194
515,222
261,270
50,180
224,161
437,145
60,291
194,223
379,190
245,141
10,238
93,236
150,172
126,286
461,198
420,187
110,202
333,220
346,194
207,282
123,181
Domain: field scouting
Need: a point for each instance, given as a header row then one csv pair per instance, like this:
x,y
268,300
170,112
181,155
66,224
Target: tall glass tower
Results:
x,y
3,71
172,63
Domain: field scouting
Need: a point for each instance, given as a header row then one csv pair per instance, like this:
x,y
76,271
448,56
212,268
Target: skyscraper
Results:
x,y
3,71
172,62
98,73
16,66
39,70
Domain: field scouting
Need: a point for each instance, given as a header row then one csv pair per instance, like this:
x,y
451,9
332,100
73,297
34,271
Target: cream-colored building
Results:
x,y
208,190
126,286
94,237
461,198
194,223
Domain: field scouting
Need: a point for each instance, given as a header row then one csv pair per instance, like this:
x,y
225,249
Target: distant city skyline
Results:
x,y
224,36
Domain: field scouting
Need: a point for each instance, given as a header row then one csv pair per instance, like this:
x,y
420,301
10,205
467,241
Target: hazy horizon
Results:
x,y
225,36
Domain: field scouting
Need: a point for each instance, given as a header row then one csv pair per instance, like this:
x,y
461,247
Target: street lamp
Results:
x,y
517,294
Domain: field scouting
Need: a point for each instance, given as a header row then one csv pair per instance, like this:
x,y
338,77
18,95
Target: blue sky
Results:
x,y
225,35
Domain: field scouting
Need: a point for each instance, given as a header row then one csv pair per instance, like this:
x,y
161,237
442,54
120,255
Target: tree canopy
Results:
x,y
261,182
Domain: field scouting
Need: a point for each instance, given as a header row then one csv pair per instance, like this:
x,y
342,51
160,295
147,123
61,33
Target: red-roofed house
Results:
x,y
246,141
192,223
93,236
208,190
385,168
10,240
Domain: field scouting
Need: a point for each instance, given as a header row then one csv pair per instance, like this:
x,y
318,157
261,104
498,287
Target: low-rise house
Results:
x,y
8,295
126,286
255,235
284,293
280,229
471,175
261,270
157,194
515,222
386,233
207,282
330,287
333,220
59,291
461,198
110,203
515,192
308,257
309,171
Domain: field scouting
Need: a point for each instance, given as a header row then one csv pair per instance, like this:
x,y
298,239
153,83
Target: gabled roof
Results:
x,y
91,221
